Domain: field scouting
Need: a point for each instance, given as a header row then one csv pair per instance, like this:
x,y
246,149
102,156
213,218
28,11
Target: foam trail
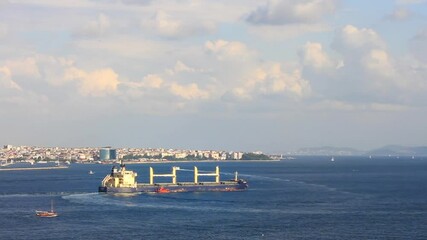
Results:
x,y
153,202
259,177
185,170
48,194
93,199
313,185
192,170
244,175
250,176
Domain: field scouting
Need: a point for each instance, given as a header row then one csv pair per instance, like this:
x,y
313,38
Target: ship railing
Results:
x,y
105,180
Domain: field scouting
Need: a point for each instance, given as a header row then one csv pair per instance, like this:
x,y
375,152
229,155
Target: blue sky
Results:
x,y
269,75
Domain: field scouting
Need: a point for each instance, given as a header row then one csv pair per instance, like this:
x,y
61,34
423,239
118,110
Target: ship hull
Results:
x,y
184,187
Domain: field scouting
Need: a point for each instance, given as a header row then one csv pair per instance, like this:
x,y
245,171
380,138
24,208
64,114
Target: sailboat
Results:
x,y
91,172
332,159
49,214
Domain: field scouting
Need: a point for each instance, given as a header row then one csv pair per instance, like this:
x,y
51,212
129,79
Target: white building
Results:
x,y
237,155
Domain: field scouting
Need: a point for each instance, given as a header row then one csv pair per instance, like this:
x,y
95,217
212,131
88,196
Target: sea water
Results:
x,y
302,198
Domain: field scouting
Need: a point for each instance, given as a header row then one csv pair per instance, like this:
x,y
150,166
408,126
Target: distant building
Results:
x,y
81,156
214,155
7,147
180,155
104,154
206,155
166,154
237,155
113,154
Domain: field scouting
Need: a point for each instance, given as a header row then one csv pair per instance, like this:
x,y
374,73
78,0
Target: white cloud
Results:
x,y
400,14
240,74
378,61
285,32
234,71
136,48
313,55
279,12
6,79
284,19
96,83
370,77
166,25
351,39
96,27
15,99
181,67
153,81
24,67
364,50
42,67
275,80
164,57
271,79
237,94
188,92
226,50
163,24
368,70
165,86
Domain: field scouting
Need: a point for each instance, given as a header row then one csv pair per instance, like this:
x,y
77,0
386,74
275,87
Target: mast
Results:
x,y
122,165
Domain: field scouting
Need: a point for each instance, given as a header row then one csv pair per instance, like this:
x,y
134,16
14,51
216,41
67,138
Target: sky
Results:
x,y
241,75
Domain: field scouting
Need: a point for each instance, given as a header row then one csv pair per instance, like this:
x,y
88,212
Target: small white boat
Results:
x,y
332,159
91,172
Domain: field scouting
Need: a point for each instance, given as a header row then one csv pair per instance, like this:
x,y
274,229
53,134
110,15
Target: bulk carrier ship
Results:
x,y
121,180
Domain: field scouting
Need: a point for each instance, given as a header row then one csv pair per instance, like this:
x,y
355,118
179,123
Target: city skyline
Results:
x,y
271,76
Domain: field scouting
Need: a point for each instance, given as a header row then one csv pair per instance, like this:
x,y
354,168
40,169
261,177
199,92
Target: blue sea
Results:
x,y
302,198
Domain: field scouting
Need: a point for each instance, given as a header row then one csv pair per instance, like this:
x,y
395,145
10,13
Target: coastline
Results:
x,y
135,162
195,161
33,168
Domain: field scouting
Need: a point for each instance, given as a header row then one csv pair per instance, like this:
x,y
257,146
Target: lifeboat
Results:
x,y
162,190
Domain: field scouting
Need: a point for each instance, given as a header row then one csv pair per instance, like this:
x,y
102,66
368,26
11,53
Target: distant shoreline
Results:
x,y
33,168
195,161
